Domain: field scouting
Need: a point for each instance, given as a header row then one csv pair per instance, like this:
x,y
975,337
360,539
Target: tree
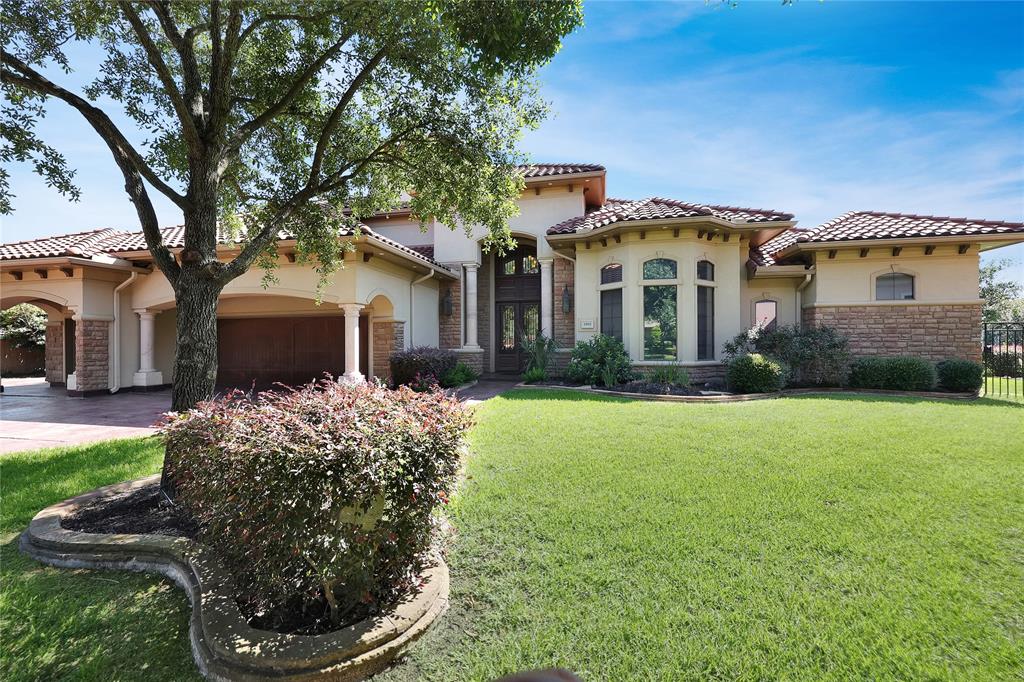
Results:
x,y
1002,297
24,326
263,116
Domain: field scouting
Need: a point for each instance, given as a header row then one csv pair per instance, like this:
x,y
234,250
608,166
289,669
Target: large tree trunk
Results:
x,y
195,359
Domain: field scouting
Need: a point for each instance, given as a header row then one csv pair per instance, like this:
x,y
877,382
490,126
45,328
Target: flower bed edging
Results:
x,y
745,397
224,645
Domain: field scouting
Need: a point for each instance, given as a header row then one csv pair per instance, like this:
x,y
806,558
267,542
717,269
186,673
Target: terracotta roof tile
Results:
x,y
544,170
765,254
657,208
876,225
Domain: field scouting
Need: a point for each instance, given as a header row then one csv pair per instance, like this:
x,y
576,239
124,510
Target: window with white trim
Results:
x,y
894,286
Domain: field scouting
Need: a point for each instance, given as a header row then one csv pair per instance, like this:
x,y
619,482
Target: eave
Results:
x,y
104,262
986,242
665,223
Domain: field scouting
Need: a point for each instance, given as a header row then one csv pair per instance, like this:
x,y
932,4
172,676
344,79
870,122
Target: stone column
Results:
x,y
147,374
546,313
352,374
55,352
471,312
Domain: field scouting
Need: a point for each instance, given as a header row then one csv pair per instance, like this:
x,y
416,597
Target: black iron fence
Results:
x,y
1003,356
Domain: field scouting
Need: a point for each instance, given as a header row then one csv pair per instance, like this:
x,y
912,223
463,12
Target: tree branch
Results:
x,y
188,126
189,68
133,167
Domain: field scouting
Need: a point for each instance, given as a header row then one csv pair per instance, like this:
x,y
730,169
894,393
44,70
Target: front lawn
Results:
x,y
812,538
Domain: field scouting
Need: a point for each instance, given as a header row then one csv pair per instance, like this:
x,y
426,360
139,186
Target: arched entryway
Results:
x,y
516,305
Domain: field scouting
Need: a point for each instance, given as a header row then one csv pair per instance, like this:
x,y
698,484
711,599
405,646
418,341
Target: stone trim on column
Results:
x,y
352,374
92,358
54,353
388,337
147,376
564,332
450,332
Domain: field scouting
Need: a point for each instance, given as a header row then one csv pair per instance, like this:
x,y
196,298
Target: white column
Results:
x,y
147,374
471,316
352,374
546,285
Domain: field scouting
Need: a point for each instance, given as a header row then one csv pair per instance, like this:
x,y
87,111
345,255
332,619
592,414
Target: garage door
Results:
x,y
262,351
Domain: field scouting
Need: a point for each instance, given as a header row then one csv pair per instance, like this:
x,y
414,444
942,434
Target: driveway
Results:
x,y
33,415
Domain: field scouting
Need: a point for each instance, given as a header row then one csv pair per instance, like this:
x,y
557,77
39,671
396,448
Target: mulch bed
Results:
x,y
639,386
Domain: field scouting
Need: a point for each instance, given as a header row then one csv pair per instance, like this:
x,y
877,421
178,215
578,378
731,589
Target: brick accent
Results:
x,y
92,350
933,332
474,359
55,353
450,324
559,361
387,338
565,323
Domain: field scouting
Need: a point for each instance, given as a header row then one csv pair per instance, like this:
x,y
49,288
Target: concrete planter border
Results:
x,y
224,646
746,397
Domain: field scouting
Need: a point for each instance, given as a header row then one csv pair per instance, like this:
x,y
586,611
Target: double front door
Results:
x,y
517,321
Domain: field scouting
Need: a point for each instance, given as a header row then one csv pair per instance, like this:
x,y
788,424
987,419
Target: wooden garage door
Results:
x,y
288,350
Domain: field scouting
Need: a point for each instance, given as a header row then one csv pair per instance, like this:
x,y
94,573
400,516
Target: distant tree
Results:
x,y
1002,297
24,326
283,112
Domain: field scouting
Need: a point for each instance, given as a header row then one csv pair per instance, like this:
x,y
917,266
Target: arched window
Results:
x,y
895,286
706,270
766,314
611,274
660,268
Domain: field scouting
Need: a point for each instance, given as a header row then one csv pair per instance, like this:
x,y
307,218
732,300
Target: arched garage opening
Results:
x,y
56,359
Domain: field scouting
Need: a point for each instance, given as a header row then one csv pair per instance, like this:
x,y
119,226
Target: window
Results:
x,y
705,323
660,321
706,270
766,314
611,274
531,322
895,286
611,313
530,265
509,267
660,268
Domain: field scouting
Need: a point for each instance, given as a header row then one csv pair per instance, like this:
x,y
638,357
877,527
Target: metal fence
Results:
x,y
1003,356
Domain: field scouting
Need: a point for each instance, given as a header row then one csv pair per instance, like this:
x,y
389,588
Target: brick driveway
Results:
x,y
33,415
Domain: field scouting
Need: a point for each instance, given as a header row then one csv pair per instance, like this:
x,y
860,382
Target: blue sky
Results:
x,y
816,108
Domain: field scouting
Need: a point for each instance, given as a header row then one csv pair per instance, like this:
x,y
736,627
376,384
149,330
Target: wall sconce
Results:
x,y
566,300
446,304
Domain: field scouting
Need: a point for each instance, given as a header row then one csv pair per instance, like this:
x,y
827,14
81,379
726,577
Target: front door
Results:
x,y
517,321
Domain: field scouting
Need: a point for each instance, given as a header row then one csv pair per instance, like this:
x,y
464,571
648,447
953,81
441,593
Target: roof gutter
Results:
x,y
883,241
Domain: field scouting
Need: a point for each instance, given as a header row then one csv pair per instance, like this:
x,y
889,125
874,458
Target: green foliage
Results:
x,y
534,374
24,326
903,373
458,375
421,364
670,375
755,373
960,375
816,356
600,360
319,498
538,352
1003,364
1002,296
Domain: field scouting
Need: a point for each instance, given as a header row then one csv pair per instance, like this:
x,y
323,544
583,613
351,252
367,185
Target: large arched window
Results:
x,y
706,270
660,268
611,273
661,329
895,286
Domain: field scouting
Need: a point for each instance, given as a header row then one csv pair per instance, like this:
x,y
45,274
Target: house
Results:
x,y
674,280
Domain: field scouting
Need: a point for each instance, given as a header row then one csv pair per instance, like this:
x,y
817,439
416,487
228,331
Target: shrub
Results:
x,y
960,375
598,359
816,356
538,352
424,361
1004,364
534,374
321,498
23,326
670,375
755,373
894,374
458,375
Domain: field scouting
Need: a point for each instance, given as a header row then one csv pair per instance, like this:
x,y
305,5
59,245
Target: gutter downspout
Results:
x,y
115,383
799,298
412,301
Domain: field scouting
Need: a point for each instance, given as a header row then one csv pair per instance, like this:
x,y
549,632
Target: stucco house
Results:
x,y
674,280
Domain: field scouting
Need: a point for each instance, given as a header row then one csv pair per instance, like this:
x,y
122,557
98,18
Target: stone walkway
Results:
x,y
33,415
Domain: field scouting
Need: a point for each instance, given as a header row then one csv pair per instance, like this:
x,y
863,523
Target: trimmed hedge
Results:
x,y
894,374
756,373
421,365
960,375
815,356
598,361
322,499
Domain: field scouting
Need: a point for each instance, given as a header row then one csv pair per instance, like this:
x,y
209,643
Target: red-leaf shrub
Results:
x,y
322,494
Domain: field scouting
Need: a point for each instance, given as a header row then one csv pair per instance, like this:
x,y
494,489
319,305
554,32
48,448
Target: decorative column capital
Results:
x,y
545,262
351,308
145,314
472,267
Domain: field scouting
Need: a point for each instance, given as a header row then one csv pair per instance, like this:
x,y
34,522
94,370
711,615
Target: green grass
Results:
x,y
83,625
1004,388
807,538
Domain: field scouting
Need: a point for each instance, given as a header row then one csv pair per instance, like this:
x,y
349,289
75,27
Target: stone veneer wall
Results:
x,y
55,354
934,332
92,350
450,324
387,338
699,375
564,322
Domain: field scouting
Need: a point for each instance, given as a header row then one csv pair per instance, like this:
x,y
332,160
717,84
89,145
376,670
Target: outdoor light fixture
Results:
x,y
566,300
446,304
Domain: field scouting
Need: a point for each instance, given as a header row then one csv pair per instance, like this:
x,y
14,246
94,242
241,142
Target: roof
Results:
x,y
111,242
765,253
546,170
657,208
857,225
